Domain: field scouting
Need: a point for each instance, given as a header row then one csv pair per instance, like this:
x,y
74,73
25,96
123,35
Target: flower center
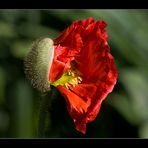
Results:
x,y
69,79
74,81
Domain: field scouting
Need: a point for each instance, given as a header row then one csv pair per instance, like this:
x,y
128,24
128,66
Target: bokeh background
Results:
x,y
124,113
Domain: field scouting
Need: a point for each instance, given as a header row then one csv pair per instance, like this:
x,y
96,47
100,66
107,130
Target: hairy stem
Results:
x,y
43,113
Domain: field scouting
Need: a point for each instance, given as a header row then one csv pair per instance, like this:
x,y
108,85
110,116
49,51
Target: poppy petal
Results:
x,y
83,47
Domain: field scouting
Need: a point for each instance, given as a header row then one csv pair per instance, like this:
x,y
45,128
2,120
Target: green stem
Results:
x,y
43,114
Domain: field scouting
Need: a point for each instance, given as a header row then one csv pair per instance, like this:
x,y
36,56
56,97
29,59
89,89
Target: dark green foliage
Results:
x,y
123,114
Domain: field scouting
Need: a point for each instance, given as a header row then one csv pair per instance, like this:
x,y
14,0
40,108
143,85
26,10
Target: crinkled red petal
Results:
x,y
61,61
78,103
76,27
85,43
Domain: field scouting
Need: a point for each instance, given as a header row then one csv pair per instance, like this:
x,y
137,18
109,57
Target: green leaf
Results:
x,y
20,48
2,85
6,30
22,110
143,130
136,85
123,105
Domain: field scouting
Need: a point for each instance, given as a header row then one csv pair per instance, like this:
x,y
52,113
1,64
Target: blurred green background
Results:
x,y
124,113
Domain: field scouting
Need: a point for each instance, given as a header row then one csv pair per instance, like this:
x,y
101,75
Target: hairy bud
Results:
x,y
38,63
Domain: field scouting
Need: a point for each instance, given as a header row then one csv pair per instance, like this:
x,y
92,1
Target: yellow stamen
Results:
x,y
69,79
74,81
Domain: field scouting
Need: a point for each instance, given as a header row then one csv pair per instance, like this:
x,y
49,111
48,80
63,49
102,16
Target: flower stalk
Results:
x,y
45,104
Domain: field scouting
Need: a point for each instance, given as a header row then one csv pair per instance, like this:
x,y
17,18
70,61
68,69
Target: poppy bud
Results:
x,y
38,62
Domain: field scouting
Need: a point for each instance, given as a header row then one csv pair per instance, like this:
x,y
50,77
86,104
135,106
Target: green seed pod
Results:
x,y
38,63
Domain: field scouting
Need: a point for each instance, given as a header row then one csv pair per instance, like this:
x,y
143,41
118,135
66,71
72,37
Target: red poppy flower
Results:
x,y
83,69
